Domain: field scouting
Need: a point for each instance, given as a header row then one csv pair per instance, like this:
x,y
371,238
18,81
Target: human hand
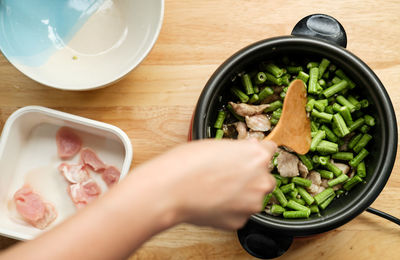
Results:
x,y
215,183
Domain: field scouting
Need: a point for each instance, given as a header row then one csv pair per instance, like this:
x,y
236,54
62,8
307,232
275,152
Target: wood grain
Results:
x,y
156,100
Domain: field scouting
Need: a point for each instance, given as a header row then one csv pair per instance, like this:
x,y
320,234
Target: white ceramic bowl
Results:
x,y
78,45
28,154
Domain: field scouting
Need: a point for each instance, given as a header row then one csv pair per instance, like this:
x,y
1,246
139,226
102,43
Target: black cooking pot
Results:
x,y
315,36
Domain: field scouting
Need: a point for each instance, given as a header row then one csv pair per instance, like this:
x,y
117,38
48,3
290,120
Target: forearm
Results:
x,y
110,228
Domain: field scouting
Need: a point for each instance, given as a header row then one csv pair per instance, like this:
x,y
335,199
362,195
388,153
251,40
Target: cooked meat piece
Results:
x,y
315,189
255,134
302,169
324,183
241,128
84,193
74,173
343,167
316,186
68,143
33,209
287,164
90,158
346,141
337,187
243,109
111,175
258,123
229,130
314,177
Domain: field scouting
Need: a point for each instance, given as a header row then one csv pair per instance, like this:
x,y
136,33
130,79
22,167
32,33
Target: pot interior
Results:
x,y
382,148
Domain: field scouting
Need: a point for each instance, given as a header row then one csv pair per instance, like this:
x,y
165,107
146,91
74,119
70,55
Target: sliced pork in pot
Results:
x,y
343,167
241,129
243,109
287,164
256,135
316,186
258,123
302,169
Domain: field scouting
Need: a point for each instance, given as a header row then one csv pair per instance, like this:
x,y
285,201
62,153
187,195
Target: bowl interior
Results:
x,y
79,45
28,154
382,149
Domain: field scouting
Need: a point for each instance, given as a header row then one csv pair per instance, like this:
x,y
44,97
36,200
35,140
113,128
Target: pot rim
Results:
x,y
389,147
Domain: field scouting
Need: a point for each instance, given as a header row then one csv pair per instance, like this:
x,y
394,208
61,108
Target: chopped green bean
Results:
x,y
266,200
274,70
314,126
354,141
273,79
287,188
260,78
342,178
254,98
335,89
329,134
344,156
356,124
333,168
364,129
323,66
296,206
312,84
359,157
354,101
328,201
306,196
273,106
277,210
352,182
345,113
341,75
267,91
306,160
280,197
301,181
340,124
326,147
364,103
239,94
219,134
294,70
343,101
317,138
248,86
361,170
303,76
322,115
274,121
324,195
362,143
336,80
312,64
314,209
296,214
286,80
369,120
325,174
220,119
310,105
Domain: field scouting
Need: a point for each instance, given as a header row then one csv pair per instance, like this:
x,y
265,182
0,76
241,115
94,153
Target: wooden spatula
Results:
x,y
293,129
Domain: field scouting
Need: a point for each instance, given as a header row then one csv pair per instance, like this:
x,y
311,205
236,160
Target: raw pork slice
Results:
x,y
33,209
74,173
111,175
84,193
90,158
68,143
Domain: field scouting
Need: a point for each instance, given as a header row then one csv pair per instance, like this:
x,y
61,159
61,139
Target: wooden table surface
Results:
x,y
156,101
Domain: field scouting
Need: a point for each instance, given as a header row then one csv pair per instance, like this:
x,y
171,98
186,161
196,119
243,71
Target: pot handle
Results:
x,y
261,243
321,26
